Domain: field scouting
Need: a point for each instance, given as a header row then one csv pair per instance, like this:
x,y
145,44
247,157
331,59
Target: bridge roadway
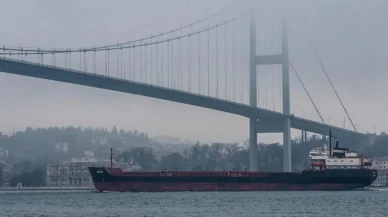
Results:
x,y
270,121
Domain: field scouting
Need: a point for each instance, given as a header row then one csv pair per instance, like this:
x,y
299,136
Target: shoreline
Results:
x,y
45,188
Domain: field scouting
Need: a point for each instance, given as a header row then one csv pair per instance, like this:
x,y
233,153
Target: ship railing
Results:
x,y
118,171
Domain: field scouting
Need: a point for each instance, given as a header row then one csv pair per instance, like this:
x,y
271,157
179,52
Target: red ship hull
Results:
x,y
111,179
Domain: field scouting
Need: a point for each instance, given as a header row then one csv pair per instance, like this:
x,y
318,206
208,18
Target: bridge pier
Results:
x,y
302,138
287,146
286,102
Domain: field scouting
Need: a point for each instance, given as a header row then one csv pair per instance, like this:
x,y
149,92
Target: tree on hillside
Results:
x,y
173,161
143,156
379,148
34,178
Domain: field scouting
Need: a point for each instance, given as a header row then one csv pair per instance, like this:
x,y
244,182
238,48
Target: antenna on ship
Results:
x,y
111,156
329,142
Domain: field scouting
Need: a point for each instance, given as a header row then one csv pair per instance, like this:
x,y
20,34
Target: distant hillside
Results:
x,y
162,139
55,143
65,143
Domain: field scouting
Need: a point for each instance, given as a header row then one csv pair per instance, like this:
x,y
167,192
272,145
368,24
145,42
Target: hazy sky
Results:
x,y
349,35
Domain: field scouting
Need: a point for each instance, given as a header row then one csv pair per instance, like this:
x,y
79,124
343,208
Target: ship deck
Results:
x,y
119,172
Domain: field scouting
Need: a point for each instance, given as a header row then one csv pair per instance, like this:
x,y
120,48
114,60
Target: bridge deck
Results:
x,y
109,83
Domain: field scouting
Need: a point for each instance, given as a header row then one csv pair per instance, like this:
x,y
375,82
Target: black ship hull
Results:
x,y
108,179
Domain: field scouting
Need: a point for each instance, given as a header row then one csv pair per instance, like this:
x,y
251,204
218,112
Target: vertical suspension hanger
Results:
x,y
217,60
189,58
234,61
65,54
108,66
145,63
85,62
80,59
94,61
172,62
265,75
129,60
199,61
70,52
133,62
141,62
118,62
140,68
21,53
121,63
161,65
181,61
242,61
39,57
152,62
168,62
208,63
226,61
106,62
157,63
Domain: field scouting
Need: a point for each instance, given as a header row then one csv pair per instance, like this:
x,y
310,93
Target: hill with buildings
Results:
x,y
26,153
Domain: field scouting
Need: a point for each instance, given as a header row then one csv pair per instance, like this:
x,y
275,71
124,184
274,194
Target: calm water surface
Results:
x,y
230,204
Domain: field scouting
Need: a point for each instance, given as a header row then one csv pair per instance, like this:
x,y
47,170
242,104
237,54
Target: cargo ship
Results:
x,y
331,169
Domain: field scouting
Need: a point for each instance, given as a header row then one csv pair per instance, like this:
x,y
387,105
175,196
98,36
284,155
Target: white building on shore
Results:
x,y
381,164
76,174
3,155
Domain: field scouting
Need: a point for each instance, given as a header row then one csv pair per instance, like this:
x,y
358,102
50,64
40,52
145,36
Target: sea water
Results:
x,y
358,203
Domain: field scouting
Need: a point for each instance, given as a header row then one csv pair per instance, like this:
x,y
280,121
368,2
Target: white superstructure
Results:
x,y
338,158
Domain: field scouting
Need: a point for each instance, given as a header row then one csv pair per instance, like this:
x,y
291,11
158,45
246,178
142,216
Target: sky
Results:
x,y
350,36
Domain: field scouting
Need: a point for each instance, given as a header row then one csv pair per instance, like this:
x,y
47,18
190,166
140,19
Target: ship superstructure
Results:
x,y
325,157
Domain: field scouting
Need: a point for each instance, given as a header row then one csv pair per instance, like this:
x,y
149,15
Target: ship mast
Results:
x,y
330,142
111,156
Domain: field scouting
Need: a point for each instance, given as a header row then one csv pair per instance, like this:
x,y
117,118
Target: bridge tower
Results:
x,y
253,122
253,158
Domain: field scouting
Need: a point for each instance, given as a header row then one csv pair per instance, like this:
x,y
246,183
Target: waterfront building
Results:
x,y
381,164
76,174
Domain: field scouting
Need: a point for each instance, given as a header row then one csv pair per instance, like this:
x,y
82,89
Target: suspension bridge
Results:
x,y
206,63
